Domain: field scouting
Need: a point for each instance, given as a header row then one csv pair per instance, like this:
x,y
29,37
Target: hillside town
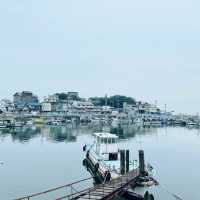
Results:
x,y
69,107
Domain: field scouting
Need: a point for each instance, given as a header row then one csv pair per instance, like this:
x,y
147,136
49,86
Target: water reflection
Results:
x,y
126,131
54,134
20,134
69,133
60,134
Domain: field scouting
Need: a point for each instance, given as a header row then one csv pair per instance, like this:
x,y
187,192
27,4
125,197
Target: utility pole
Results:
x,y
118,104
106,100
156,102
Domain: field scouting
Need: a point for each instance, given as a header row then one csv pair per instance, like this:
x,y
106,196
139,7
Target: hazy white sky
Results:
x,y
145,49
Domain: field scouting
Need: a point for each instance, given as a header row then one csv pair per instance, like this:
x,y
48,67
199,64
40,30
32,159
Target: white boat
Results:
x,y
56,122
104,156
147,122
155,123
18,124
191,123
2,126
30,123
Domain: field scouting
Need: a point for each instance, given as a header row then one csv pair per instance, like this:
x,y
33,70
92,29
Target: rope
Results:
x,y
171,193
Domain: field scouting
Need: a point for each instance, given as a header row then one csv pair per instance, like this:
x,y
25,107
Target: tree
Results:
x,y
62,96
115,101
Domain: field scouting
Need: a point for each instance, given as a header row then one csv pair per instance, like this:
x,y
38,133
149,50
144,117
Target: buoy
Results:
x,y
84,147
85,162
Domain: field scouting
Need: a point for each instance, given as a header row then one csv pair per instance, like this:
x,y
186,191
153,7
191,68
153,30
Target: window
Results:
x,y
114,140
110,141
113,156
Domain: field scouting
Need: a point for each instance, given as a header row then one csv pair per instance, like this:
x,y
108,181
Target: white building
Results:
x,y
6,106
106,108
52,98
46,107
83,105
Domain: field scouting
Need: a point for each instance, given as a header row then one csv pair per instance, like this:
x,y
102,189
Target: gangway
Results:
x,y
105,191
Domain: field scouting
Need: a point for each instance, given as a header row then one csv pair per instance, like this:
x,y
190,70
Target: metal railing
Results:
x,y
71,186
104,190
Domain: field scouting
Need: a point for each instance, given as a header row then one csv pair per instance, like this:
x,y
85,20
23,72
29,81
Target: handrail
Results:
x,y
82,191
53,189
113,182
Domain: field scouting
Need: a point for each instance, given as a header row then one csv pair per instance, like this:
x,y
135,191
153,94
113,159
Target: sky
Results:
x,y
145,49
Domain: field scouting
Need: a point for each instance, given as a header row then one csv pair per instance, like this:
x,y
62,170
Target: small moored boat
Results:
x,y
103,157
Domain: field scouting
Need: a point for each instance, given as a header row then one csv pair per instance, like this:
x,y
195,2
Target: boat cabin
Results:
x,y
106,146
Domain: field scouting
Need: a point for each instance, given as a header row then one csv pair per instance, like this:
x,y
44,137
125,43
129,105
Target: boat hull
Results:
x,y
91,168
97,168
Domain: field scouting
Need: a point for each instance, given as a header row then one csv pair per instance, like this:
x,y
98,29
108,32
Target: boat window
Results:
x,y
113,140
109,140
113,156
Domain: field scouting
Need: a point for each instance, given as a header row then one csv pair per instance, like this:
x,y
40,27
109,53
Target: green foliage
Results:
x,y
115,101
64,96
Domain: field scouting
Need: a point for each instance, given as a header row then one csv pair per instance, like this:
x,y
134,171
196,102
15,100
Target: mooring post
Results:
x,y
122,162
141,163
127,161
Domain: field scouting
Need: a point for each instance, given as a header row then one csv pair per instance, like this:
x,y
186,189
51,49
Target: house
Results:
x,y
6,106
83,104
26,99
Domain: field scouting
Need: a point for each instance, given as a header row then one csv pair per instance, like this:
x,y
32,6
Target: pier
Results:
x,y
108,190
105,191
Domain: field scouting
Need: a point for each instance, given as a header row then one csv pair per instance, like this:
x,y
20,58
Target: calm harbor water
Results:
x,y
35,159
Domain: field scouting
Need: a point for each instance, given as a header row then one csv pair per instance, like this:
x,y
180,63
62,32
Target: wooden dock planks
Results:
x,y
110,189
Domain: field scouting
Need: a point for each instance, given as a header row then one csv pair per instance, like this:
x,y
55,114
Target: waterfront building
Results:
x,y
53,104
52,98
6,106
26,99
46,107
49,103
129,107
148,110
107,109
83,105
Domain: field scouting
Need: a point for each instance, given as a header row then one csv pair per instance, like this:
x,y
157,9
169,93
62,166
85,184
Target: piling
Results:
x,y
141,163
122,162
127,161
